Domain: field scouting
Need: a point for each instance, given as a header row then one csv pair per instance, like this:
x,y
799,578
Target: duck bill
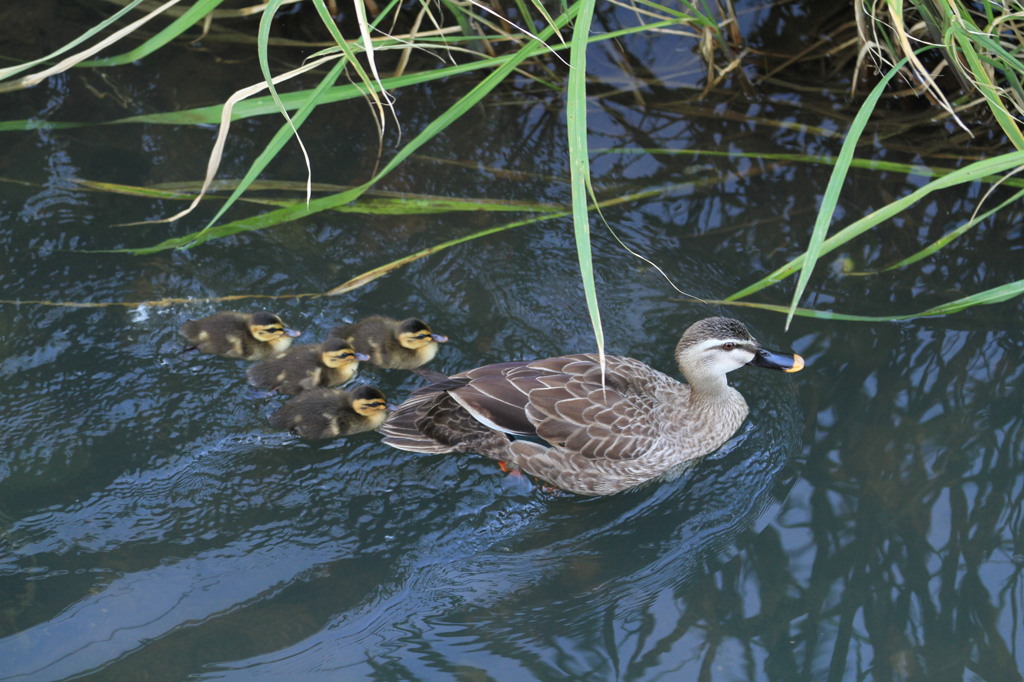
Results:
x,y
362,357
292,332
439,338
769,359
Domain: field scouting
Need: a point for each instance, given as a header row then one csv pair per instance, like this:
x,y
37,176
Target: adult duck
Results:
x,y
584,430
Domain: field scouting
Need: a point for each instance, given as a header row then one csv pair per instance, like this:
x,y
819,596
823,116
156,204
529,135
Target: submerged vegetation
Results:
x,y
964,59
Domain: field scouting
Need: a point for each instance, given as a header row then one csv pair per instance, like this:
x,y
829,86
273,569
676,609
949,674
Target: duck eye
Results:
x,y
728,345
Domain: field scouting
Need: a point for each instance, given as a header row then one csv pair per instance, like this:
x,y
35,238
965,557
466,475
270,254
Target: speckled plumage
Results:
x,y
321,413
598,439
300,368
254,336
392,344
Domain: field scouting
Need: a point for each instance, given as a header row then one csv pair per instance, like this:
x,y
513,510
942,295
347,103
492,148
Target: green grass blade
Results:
x,y
988,297
579,163
262,106
265,105
378,272
372,87
10,71
970,173
949,237
192,16
406,204
985,85
862,164
835,185
277,143
98,46
263,56
435,127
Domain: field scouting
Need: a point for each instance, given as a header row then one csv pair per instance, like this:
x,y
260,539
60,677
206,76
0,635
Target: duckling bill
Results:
x,y
300,368
586,435
390,343
322,413
247,336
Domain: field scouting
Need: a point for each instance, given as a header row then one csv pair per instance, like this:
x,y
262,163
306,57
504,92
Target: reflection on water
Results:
x,y
864,524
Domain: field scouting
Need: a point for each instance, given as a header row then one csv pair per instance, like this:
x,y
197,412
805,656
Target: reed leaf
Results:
x,y
378,272
435,127
406,204
998,294
968,174
375,273
263,57
112,20
950,236
835,185
189,18
579,164
983,82
67,63
262,106
787,157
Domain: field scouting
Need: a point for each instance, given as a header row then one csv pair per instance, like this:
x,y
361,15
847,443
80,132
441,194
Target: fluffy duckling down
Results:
x,y
249,336
301,368
322,413
390,343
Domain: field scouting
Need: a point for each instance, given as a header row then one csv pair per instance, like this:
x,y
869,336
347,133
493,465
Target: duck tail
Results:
x,y
430,375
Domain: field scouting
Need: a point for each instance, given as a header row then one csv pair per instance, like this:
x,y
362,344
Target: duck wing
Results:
x,y
431,421
568,403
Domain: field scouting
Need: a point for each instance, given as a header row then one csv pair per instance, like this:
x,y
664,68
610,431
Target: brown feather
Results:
x,y
605,430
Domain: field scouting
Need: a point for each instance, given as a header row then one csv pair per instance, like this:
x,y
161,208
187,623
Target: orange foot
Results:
x,y
509,469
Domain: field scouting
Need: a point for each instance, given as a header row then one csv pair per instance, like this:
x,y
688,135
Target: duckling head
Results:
x,y
335,352
267,327
715,346
369,402
415,334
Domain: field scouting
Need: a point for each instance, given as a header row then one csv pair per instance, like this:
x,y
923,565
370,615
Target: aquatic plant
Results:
x,y
917,41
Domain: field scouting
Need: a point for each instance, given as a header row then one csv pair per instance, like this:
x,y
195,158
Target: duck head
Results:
x,y
369,401
715,346
335,352
267,327
415,334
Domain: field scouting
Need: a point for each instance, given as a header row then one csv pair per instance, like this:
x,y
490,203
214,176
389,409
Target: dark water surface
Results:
x,y
866,522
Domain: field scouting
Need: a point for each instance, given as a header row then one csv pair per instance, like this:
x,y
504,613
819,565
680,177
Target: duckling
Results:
x,y
300,368
390,343
328,412
592,432
253,336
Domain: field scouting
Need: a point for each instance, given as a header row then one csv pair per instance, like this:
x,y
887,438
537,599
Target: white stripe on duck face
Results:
x,y
708,344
